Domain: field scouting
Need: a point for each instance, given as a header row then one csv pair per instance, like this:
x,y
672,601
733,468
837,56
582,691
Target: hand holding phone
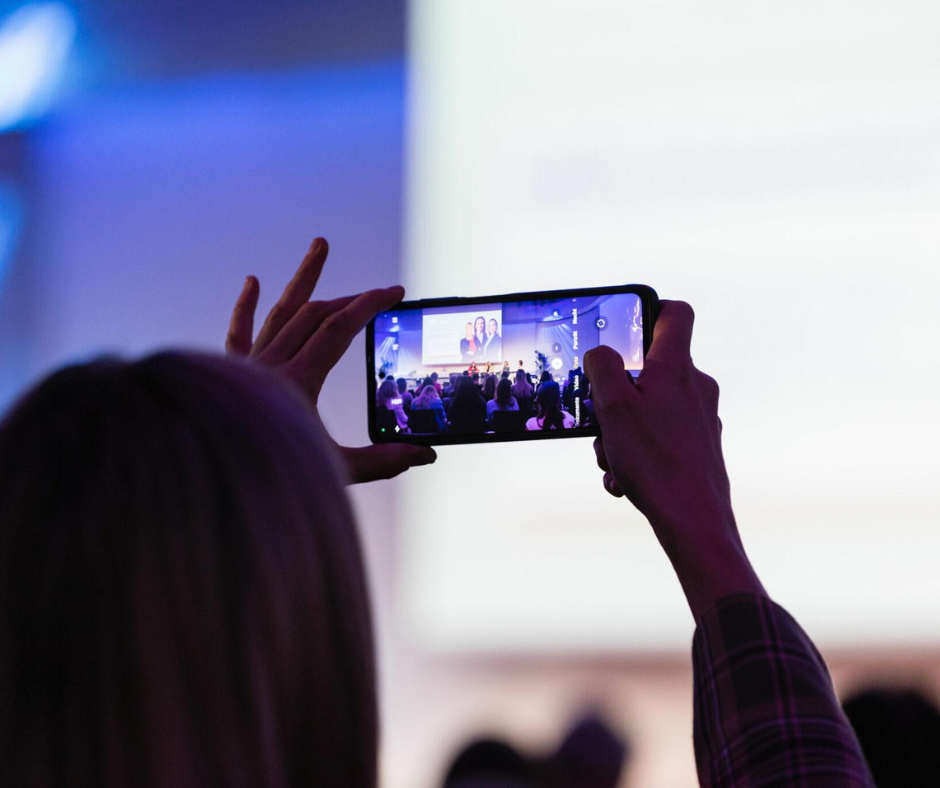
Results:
x,y
661,448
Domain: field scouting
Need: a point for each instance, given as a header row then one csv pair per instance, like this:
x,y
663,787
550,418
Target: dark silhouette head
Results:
x,y
182,593
402,385
468,394
504,398
489,763
489,386
549,406
590,755
387,391
899,731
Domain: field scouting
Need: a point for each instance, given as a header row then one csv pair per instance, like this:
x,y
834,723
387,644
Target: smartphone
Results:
x,y
498,368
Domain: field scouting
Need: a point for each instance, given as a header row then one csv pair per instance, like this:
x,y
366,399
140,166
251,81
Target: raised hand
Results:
x,y
660,446
305,339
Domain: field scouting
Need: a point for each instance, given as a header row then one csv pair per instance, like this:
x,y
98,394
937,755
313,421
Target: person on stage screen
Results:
x,y
479,331
493,346
468,345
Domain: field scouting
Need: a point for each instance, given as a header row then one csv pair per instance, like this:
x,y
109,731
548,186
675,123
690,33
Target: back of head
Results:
x,y
549,399
489,763
489,386
182,595
468,395
387,392
504,393
427,396
899,731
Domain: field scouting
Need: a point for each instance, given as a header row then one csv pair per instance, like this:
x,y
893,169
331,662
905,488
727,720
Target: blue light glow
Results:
x,y
11,213
34,44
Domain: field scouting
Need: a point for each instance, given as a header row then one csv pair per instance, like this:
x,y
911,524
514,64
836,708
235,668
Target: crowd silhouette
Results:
x,y
469,403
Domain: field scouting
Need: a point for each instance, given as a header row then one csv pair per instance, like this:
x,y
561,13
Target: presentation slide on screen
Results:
x,y
785,183
460,336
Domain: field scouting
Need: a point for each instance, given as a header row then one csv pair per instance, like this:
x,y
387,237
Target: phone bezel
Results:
x,y
650,302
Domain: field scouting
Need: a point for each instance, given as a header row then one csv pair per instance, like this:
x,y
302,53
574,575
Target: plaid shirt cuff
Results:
x,y
765,710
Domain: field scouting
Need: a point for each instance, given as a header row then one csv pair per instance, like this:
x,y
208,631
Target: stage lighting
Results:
x,y
34,44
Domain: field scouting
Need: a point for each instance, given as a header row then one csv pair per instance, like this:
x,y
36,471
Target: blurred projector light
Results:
x,y
10,217
34,44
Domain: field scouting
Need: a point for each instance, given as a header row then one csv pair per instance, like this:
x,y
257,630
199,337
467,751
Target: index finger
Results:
x,y
238,341
295,295
672,334
332,339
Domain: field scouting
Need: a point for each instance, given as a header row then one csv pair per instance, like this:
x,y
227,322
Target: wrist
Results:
x,y
709,559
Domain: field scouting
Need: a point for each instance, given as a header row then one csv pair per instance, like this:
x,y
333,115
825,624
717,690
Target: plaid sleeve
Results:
x,y
765,710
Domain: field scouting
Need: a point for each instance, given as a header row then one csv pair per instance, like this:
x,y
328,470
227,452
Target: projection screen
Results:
x,y
777,165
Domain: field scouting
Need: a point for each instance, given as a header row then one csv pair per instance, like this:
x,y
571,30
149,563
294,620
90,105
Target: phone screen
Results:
x,y
498,368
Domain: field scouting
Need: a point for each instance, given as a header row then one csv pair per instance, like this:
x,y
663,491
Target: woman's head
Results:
x,y
386,393
520,376
479,326
584,389
548,400
504,393
467,394
427,396
489,386
182,593
468,331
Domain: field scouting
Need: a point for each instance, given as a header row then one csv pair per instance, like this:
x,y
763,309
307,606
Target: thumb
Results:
x,y
384,461
610,383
